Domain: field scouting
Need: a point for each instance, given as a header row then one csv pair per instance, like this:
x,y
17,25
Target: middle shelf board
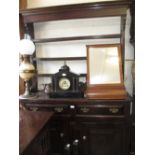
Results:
x,y
60,59
103,36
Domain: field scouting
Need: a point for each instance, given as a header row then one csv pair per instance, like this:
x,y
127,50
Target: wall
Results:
x,y
77,27
43,3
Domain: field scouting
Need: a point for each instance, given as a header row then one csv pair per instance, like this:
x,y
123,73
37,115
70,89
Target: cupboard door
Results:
x,y
101,139
106,141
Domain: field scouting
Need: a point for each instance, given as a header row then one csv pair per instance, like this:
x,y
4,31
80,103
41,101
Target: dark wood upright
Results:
x,y
22,5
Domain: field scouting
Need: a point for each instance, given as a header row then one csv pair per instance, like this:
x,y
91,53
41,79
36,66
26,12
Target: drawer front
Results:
x,y
100,110
78,109
57,109
112,109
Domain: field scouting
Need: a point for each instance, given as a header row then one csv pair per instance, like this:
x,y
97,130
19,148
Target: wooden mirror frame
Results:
x,y
107,90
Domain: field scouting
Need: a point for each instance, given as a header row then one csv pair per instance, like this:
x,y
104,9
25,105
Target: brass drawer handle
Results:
x,y
58,109
114,110
85,109
34,108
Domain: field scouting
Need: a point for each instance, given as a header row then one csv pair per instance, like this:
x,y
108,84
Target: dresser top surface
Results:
x,y
41,97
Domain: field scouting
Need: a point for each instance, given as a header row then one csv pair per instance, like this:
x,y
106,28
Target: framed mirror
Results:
x,y
104,71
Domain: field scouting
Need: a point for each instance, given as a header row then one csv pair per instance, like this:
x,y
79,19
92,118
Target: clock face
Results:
x,y
64,83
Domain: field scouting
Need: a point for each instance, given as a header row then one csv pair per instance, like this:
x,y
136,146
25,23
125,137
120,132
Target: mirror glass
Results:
x,y
104,65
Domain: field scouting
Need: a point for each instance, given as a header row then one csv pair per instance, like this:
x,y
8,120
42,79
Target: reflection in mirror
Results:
x,y
104,65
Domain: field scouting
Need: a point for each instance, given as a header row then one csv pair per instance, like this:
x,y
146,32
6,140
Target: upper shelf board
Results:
x,y
76,11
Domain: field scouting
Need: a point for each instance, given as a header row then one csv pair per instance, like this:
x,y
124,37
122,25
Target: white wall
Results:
x,y
70,28
129,56
42,3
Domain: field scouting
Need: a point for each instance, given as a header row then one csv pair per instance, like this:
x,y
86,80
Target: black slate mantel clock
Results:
x,y
66,84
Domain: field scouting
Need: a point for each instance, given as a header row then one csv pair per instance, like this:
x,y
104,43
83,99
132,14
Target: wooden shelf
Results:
x,y
44,75
61,59
76,11
108,36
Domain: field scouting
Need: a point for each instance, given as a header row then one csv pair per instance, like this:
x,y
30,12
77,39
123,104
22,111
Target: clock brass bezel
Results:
x,y
61,84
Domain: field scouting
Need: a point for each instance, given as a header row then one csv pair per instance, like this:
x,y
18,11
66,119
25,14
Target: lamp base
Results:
x,y
27,94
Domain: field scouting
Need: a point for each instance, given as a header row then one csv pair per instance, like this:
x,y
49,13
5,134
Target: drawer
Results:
x,y
58,109
100,110
79,109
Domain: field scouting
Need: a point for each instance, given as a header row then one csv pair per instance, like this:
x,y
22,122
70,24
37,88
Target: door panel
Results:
x,y
100,139
106,141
